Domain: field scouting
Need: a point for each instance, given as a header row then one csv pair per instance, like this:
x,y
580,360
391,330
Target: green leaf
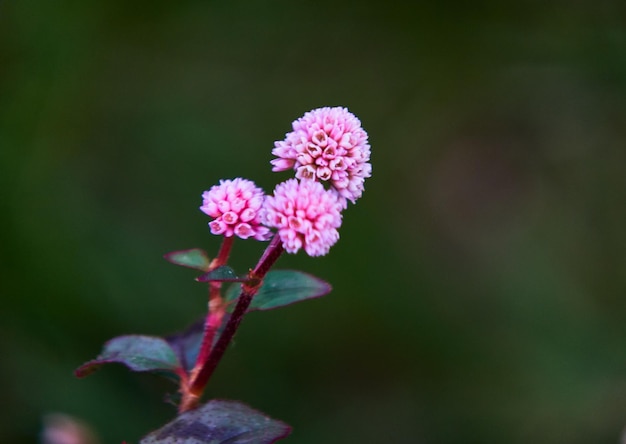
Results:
x,y
138,353
220,422
193,258
186,344
220,274
282,287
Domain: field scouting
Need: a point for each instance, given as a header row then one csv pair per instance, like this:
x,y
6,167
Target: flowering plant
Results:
x,y
327,146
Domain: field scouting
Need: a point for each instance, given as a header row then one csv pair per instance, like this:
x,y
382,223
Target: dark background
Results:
x,y
479,283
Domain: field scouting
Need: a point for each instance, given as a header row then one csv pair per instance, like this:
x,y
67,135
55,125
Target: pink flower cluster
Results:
x,y
305,215
237,208
327,144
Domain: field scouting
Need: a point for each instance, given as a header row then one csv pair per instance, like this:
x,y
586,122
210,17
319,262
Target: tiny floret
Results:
x,y
306,216
236,206
328,145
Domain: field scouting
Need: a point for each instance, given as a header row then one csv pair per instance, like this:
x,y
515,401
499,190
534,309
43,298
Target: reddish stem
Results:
x,y
222,256
216,308
248,290
213,321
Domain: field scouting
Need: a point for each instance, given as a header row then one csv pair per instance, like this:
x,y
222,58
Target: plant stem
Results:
x,y
222,256
213,320
248,290
215,306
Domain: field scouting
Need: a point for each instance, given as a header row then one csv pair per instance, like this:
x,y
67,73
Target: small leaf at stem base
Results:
x,y
282,287
193,258
220,274
220,422
138,353
186,344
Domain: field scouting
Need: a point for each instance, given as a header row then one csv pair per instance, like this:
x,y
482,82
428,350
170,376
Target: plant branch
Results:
x,y
248,290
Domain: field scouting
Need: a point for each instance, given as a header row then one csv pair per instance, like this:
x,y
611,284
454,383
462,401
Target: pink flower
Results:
x,y
327,144
236,206
306,216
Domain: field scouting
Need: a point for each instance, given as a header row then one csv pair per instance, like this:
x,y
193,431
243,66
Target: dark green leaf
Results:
x,y
194,258
186,344
220,274
220,422
138,353
282,287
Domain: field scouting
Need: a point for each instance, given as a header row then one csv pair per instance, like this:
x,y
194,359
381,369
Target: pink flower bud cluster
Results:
x,y
237,206
327,145
305,215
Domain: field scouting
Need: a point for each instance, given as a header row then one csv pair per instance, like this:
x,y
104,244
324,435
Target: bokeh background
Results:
x,y
479,283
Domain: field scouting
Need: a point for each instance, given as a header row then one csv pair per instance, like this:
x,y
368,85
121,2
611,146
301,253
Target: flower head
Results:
x,y
327,144
236,206
306,216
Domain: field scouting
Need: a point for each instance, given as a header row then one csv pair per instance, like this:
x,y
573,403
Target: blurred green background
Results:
x,y
478,285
